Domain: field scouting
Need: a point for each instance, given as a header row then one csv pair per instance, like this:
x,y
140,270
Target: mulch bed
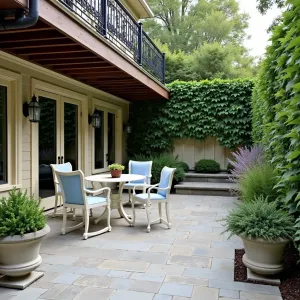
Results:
x,y
290,277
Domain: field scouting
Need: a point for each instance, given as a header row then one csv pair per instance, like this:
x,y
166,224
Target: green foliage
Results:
x,y
211,60
278,98
230,167
20,214
196,110
116,166
259,219
259,180
207,166
187,25
184,166
160,161
264,5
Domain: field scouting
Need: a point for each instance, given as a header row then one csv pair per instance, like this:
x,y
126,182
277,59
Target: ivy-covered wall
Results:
x,y
276,107
218,108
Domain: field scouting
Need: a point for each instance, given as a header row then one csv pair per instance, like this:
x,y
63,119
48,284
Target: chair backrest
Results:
x,y
141,168
66,167
166,178
72,187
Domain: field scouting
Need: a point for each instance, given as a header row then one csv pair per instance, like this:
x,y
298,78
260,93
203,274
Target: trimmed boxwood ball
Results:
x,y
184,166
207,166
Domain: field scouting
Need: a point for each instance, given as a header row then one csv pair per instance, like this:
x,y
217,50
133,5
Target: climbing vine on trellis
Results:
x,y
219,108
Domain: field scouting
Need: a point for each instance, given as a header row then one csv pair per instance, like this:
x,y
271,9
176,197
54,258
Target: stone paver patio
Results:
x,y
190,261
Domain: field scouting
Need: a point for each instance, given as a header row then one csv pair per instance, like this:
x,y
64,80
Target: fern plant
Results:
x,y
259,219
20,214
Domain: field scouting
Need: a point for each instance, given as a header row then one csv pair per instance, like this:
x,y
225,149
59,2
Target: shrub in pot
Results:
x,y
265,231
207,166
22,226
116,170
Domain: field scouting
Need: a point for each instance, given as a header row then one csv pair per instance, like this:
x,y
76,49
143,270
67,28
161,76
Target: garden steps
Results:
x,y
205,184
198,177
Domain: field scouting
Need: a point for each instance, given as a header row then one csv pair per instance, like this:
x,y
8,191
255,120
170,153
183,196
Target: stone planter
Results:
x,y
19,255
264,257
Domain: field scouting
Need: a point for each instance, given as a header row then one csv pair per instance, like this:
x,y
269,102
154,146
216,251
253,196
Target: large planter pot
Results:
x,y
20,255
264,257
116,173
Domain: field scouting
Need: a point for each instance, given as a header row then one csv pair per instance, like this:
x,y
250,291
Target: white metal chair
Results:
x,y
75,196
161,196
139,168
66,167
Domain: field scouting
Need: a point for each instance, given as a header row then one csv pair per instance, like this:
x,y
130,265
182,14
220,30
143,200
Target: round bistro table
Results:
x,y
116,199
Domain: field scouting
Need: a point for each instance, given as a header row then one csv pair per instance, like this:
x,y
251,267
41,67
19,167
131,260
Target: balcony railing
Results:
x,y
112,20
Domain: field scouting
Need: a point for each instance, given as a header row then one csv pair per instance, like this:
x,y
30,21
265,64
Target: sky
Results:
x,y
258,25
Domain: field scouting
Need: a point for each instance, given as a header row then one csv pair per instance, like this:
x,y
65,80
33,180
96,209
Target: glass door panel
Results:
x,y
3,135
111,138
48,143
70,136
99,145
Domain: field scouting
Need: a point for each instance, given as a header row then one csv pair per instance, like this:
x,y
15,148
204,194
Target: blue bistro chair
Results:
x,y
160,196
75,196
139,168
66,167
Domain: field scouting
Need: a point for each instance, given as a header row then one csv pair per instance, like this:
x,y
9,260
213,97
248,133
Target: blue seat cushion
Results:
x,y
131,185
96,200
153,196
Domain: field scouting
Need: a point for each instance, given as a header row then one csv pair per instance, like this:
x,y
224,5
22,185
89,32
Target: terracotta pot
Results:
x,y
264,257
116,173
20,255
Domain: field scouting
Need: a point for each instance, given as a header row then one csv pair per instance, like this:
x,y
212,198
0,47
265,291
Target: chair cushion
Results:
x,y
153,196
59,189
96,200
131,185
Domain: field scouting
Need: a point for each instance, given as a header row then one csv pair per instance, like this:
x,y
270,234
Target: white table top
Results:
x,y
108,178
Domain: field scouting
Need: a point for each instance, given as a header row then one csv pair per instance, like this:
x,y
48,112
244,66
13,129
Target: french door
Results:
x,y
58,140
104,140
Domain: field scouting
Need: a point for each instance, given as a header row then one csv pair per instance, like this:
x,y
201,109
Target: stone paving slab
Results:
x,y
191,261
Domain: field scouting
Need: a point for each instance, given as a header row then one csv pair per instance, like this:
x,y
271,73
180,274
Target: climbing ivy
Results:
x,y
276,107
219,108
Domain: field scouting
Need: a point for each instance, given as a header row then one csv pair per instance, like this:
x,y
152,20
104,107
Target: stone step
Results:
x,y
205,188
200,177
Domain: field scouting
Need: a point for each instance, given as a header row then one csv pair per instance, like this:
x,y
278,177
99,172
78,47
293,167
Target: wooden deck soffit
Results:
x,y
64,44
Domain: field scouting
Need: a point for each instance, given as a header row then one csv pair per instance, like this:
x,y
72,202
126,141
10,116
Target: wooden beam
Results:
x,y
49,50
63,56
86,61
84,68
31,36
38,44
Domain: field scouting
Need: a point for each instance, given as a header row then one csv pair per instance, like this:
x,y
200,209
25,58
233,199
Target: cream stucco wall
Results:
x,y
31,77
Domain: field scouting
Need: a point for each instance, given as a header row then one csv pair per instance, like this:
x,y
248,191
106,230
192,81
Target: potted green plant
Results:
x,y
116,170
265,231
22,226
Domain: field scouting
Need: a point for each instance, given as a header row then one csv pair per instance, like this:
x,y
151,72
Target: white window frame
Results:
x,y
117,111
12,81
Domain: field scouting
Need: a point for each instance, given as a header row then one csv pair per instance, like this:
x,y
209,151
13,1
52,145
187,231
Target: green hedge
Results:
x,y
276,107
219,108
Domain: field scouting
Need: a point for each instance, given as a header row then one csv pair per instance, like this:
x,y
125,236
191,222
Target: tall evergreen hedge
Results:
x,y
219,108
276,107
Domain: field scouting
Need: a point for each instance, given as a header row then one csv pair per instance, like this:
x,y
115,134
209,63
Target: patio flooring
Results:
x,y
193,260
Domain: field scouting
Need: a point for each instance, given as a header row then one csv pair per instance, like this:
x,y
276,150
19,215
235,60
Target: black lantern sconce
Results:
x,y
95,120
32,110
127,128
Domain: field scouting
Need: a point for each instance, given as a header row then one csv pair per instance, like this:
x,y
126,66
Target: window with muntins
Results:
x,y
3,135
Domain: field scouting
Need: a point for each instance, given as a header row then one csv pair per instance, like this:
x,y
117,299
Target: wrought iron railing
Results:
x,y
113,21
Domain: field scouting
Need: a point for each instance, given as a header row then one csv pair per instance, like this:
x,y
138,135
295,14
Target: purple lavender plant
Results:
x,y
245,158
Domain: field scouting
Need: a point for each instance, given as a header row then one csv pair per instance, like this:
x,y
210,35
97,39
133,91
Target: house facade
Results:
x,y
80,57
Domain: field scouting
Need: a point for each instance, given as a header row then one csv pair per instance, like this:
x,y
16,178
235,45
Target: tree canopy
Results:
x,y
264,5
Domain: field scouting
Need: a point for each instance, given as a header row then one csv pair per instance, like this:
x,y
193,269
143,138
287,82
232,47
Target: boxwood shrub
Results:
x,y
207,166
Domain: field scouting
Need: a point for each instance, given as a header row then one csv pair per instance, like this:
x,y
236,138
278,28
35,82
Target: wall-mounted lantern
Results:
x,y
127,128
95,120
32,110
